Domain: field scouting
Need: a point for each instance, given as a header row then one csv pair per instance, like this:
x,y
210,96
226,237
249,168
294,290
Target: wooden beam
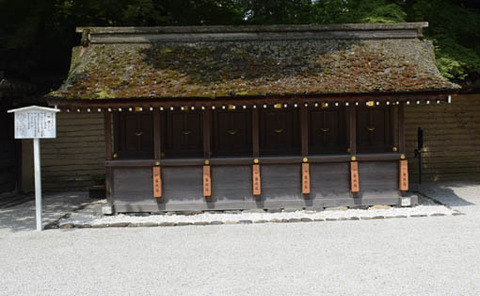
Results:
x,y
304,129
352,110
157,134
207,131
255,133
401,128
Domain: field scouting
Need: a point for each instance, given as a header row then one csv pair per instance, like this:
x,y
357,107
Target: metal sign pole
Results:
x,y
38,182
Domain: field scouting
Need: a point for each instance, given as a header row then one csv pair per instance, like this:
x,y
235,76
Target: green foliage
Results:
x,y
36,36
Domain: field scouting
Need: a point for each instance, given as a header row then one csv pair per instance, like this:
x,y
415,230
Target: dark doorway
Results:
x,y
279,132
134,135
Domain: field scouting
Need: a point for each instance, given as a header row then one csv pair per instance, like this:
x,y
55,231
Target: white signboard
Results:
x,y
35,122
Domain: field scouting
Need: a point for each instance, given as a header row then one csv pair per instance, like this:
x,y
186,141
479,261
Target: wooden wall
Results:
x,y
451,131
452,139
78,152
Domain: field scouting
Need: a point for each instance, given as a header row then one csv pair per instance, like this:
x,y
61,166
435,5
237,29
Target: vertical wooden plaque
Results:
x,y
305,178
207,181
157,182
257,183
403,175
355,184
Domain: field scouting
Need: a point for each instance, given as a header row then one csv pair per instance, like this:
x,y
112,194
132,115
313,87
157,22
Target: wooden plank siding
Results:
x,y
78,152
451,139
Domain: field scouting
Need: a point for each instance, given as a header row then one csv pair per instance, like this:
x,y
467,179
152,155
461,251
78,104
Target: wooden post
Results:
x,y
207,131
108,152
304,129
255,133
353,129
395,126
401,128
157,134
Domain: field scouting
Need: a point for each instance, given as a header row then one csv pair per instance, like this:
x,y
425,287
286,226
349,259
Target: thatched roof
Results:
x,y
232,62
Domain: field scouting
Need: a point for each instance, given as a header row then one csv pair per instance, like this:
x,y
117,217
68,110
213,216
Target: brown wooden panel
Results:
x,y
403,175
327,131
182,184
133,190
281,181
232,133
378,178
232,183
207,181
305,178
330,181
183,134
374,132
134,135
279,132
256,178
157,182
354,177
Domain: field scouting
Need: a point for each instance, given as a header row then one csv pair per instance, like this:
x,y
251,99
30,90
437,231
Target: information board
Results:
x,y
35,124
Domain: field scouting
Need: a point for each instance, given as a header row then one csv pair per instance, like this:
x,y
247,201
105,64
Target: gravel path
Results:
x,y
411,256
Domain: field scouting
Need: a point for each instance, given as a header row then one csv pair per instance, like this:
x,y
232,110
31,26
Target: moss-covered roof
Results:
x,y
231,64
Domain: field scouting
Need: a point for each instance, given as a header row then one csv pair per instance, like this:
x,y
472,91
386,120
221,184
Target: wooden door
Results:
x,y
279,132
232,133
134,135
374,129
327,132
183,130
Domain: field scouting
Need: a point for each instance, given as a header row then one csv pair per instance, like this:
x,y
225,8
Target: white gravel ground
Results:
x,y
413,256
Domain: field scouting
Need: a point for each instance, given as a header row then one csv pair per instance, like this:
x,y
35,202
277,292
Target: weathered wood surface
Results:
x,y
452,139
78,152
231,187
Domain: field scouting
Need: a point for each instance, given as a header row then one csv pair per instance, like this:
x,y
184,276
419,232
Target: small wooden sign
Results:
x,y
157,182
207,181
355,184
305,178
257,183
403,175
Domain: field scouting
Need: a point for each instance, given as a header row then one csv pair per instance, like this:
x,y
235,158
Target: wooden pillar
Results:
x,y
157,134
108,154
352,110
156,171
255,133
401,128
256,176
394,127
354,175
304,129
207,131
